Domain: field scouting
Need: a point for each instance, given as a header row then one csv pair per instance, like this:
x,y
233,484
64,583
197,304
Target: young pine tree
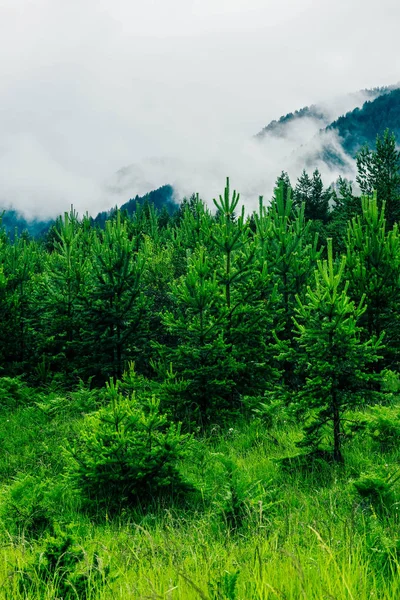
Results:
x,y
248,292
332,356
379,170
373,264
198,369
283,236
311,192
114,306
345,207
59,294
22,261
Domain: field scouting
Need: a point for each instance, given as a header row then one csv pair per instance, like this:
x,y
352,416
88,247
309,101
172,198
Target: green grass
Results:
x,y
254,530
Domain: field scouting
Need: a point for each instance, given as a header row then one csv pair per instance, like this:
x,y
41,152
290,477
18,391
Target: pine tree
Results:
x,y
284,181
250,297
345,207
220,318
379,170
59,295
311,192
231,237
332,355
291,258
114,307
197,367
21,264
373,264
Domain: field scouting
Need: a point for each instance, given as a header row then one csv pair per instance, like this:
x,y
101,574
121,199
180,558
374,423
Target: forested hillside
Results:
x,y
161,199
362,125
322,113
350,131
205,403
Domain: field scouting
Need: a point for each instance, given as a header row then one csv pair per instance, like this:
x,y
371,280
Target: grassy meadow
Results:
x,y
254,526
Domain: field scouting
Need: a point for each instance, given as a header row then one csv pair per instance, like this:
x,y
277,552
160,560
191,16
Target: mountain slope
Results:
x,y
316,140
13,222
323,114
161,198
361,126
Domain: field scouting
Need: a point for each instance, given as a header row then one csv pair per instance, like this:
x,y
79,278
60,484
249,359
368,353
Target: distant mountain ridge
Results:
x,y
361,126
320,112
336,142
161,198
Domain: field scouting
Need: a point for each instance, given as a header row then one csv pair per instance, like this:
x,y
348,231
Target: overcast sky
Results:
x,y
90,86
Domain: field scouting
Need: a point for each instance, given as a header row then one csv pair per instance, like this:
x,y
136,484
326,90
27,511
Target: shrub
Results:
x,y
81,400
30,504
126,453
62,564
13,392
390,382
376,491
383,425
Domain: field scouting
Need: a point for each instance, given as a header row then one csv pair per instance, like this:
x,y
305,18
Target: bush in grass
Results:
x,y
30,504
13,392
81,401
383,426
127,453
62,565
377,491
382,548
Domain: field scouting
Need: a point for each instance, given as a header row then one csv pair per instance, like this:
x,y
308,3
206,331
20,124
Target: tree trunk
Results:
x,y
337,442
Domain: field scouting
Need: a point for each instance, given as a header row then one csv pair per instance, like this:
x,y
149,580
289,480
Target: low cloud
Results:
x,y
173,91
253,164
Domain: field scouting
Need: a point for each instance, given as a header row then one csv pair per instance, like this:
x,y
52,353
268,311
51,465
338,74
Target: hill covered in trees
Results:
x,y
161,199
335,143
362,125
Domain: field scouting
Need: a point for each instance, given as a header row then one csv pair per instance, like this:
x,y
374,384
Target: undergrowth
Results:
x,y
263,523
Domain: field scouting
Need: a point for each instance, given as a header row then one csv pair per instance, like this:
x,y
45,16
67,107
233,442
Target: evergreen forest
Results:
x,y
204,403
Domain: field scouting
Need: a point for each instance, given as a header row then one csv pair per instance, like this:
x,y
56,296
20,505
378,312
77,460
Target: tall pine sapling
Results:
x,y
373,265
248,294
114,303
379,170
332,356
200,383
284,239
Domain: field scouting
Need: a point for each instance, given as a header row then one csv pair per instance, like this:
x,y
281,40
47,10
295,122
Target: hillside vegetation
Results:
x,y
206,404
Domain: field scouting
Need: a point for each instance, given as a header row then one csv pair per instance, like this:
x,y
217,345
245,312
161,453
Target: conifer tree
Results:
x,y
222,308
379,170
373,266
332,355
311,192
21,264
284,181
231,236
291,259
197,367
59,295
250,297
114,305
345,206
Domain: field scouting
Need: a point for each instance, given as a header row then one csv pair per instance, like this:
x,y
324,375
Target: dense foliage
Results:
x,y
169,374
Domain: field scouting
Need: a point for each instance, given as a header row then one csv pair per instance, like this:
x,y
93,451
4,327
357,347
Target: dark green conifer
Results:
x,y
333,357
379,170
